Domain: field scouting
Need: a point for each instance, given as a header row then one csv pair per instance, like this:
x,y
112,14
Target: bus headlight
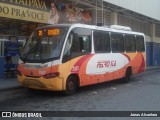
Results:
x,y
51,75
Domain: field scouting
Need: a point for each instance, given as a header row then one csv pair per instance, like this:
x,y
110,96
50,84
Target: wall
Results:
x,y
152,51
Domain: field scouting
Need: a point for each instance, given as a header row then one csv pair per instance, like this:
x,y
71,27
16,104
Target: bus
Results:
x,y
64,57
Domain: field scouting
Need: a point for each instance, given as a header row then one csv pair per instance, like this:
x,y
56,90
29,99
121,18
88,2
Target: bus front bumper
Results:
x,y
53,84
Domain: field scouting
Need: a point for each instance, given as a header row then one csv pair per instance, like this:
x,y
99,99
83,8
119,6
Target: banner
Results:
x,y
22,13
69,13
41,11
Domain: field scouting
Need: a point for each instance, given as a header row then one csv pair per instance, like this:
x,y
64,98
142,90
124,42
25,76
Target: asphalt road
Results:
x,y
140,94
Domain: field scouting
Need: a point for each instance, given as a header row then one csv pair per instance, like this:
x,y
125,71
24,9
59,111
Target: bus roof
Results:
x,y
104,28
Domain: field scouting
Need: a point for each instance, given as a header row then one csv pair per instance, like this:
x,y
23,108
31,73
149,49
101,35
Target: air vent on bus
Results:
x,y
119,27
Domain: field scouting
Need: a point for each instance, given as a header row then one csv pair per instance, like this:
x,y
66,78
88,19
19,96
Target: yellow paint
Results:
x,y
54,84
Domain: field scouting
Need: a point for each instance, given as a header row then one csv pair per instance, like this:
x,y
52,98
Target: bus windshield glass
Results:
x,y
44,44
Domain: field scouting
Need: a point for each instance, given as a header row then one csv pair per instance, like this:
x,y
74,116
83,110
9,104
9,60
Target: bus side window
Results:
x,y
78,43
130,45
81,44
140,44
85,44
101,41
67,50
117,41
75,43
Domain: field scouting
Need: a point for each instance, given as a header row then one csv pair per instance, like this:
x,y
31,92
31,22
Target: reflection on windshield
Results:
x,y
43,48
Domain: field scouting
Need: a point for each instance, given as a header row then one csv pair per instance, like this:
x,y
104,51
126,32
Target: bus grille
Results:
x,y
33,83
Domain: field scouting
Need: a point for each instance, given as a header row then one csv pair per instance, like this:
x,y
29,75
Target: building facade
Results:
x,y
142,16
20,17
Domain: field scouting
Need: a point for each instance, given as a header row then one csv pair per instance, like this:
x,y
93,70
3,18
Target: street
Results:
x,y
140,94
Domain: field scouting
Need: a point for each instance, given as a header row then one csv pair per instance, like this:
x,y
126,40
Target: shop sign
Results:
x,y
30,3
23,13
44,12
12,47
12,50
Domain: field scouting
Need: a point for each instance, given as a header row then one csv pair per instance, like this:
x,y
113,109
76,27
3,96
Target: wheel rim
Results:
x,y
71,85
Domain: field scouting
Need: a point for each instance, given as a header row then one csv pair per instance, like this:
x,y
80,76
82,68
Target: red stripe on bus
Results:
x,y
80,62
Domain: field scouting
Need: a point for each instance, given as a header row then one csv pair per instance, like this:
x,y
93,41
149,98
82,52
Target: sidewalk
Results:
x,y
8,83
152,67
12,83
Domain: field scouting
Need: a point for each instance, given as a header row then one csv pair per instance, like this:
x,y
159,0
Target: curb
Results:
x,y
154,68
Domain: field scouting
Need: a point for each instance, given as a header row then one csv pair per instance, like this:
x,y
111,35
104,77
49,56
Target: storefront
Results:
x,y
18,18
22,16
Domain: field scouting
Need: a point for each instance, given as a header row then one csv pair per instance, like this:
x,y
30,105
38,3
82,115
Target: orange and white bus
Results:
x,y
67,56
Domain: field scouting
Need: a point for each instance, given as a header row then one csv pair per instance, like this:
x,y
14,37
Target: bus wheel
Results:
x,y
71,86
127,77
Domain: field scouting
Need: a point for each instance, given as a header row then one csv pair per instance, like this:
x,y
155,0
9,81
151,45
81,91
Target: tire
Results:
x,y
127,77
71,86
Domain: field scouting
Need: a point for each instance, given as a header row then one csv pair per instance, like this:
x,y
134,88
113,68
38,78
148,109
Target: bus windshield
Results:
x,y
44,45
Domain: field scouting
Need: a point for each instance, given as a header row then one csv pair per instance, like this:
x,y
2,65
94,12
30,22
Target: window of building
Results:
x,y
117,42
130,45
140,43
157,30
1,48
101,41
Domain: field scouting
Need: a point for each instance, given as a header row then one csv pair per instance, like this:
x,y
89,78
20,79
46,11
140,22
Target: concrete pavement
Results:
x,y
12,83
8,83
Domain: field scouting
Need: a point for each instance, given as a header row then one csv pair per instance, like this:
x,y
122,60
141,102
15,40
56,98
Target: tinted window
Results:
x,y
78,43
130,45
42,47
101,41
140,43
81,40
117,42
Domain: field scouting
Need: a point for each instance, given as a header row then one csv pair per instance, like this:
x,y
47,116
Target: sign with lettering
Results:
x,y
106,63
12,49
24,13
12,46
43,11
40,4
